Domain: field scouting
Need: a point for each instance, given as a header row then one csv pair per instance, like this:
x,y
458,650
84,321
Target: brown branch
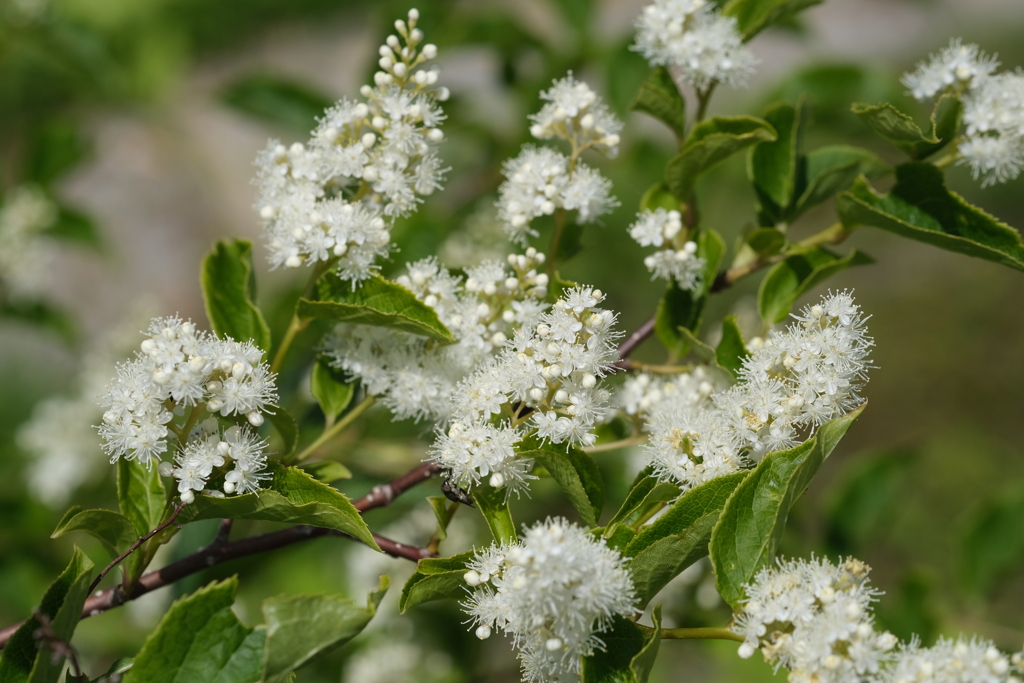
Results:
x,y
135,546
627,347
221,550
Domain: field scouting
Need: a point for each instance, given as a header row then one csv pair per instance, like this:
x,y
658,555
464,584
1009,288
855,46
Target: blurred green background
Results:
x,y
141,119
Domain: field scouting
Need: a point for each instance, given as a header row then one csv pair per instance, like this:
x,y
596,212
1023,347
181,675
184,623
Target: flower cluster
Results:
x,y
814,618
694,39
416,378
553,592
643,393
541,180
545,381
789,385
660,228
24,253
333,198
993,145
181,371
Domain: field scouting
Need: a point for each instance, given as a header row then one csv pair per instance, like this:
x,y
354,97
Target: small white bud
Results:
x,y
497,480
553,644
187,496
429,51
472,578
229,487
483,632
400,69
746,651
255,418
589,381
435,135
165,469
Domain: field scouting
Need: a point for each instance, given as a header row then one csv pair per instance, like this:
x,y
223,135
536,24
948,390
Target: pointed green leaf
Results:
x,y
304,628
444,510
684,308
628,654
753,16
772,166
646,495
577,474
732,350
436,579
493,505
788,280
143,500
292,497
830,170
659,97
642,664
657,564
750,526
288,429
279,101
120,666
377,302
114,530
921,208
201,639
326,471
901,130
21,660
330,389
711,142
229,291
658,196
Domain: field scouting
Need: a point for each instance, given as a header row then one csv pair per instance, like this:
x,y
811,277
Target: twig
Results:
x,y
60,647
135,546
627,347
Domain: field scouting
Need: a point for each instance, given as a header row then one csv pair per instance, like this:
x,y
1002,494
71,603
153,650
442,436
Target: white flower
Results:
x,y
553,592
575,113
477,450
333,199
699,43
963,660
682,265
656,228
994,122
25,252
814,618
953,66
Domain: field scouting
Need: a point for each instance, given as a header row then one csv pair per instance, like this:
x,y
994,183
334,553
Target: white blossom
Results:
x,y
333,199
963,660
554,593
180,370
575,113
956,65
696,41
25,251
994,121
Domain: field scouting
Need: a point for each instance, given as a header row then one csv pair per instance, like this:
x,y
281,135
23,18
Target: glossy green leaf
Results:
x,y
303,628
901,130
436,579
684,308
659,97
331,390
120,666
326,471
444,510
658,196
831,170
577,474
772,166
201,639
750,526
753,16
377,302
291,497
789,279
143,500
229,292
570,243
282,102
645,496
732,350
114,530
628,655
921,208
21,660
657,564
287,428
493,505
711,142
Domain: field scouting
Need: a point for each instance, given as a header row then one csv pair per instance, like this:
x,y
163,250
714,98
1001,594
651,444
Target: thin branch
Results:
x,y
707,633
627,347
60,647
220,550
135,546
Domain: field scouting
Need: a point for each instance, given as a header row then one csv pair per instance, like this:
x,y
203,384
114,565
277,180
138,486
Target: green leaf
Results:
x,y
788,280
921,208
659,97
711,142
772,166
288,428
201,639
303,628
753,16
628,655
330,390
992,542
436,579
444,510
285,103
293,497
748,531
570,243
326,471
114,530
684,308
120,666
654,566
143,500
646,495
658,196
377,302
229,292
21,661
900,129
830,170
75,227
732,350
56,148
866,501
493,505
577,474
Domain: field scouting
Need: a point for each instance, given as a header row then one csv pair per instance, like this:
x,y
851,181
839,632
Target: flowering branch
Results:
x,y
135,546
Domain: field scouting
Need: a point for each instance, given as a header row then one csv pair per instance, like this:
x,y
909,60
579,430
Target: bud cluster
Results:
x,y
678,260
